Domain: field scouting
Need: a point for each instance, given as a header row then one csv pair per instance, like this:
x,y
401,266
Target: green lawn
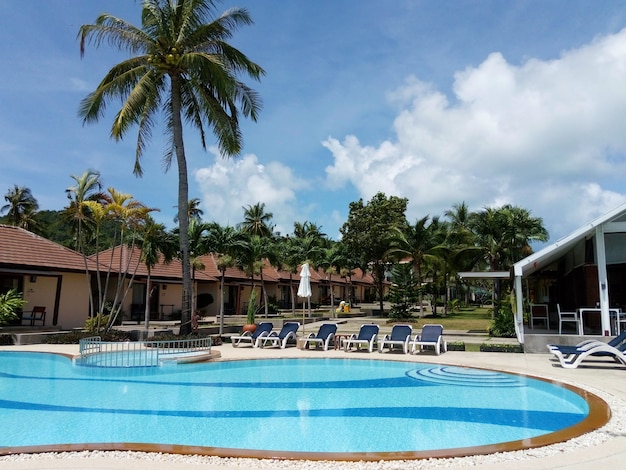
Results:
x,y
475,319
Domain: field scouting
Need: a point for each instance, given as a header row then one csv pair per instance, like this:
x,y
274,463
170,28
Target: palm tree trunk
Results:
x,y
147,308
183,201
265,311
222,304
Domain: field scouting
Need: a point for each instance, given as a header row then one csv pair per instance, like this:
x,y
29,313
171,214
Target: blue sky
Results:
x,y
487,102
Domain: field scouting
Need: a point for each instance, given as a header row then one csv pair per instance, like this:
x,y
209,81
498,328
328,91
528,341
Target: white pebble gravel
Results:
x,y
615,426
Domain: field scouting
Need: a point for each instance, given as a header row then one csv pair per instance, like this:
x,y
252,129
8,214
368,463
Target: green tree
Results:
x,y
332,260
193,211
367,232
184,69
88,187
504,235
250,254
221,241
257,221
157,246
418,243
404,292
21,207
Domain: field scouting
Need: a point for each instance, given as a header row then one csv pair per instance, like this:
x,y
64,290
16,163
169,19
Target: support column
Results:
x,y
603,284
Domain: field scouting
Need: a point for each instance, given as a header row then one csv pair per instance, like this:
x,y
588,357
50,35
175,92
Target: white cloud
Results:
x,y
545,135
231,184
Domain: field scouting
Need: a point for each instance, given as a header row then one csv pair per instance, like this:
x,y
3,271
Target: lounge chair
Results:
x,y
615,342
262,330
287,332
572,358
367,335
324,336
432,335
400,336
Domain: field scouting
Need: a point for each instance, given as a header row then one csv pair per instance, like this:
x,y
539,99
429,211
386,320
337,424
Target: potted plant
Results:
x,y
250,324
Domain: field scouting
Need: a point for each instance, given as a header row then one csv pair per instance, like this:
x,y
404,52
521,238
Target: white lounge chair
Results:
x,y
324,336
287,332
570,358
400,336
367,336
432,335
262,330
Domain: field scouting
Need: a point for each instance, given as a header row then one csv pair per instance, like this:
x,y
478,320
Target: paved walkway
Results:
x,y
607,377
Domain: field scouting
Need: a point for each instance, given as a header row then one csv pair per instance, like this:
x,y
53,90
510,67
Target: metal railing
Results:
x,y
150,353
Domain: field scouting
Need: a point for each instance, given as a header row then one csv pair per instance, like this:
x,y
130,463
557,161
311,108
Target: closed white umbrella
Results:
x,y
304,288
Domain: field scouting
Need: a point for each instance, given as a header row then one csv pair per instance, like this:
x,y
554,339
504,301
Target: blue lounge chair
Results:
x,y
324,336
432,335
287,332
367,336
572,358
262,330
615,342
400,336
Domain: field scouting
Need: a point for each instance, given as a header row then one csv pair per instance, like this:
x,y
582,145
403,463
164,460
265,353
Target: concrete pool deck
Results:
x,y
606,377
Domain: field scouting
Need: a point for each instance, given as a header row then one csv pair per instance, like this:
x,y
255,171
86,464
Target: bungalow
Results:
x,y
58,278
584,272
49,275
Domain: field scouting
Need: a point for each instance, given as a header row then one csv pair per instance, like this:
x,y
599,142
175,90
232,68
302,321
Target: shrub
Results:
x,y
503,325
96,323
456,346
10,303
74,337
507,348
6,340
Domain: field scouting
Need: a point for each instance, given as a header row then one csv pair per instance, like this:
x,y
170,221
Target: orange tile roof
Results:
x,y
126,259
22,249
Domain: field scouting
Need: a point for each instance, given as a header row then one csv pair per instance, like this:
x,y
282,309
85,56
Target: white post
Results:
x,y
519,315
603,285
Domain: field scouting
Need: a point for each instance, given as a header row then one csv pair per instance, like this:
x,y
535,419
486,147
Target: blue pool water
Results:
x,y
293,405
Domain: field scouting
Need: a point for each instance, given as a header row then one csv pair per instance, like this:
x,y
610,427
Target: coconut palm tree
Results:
x,y
87,188
251,251
332,261
182,68
418,243
21,207
157,246
257,221
221,241
193,210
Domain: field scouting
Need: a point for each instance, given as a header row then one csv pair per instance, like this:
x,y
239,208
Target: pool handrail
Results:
x,y
95,352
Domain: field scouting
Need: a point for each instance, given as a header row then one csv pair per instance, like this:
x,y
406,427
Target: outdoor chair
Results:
x,y
262,330
287,332
432,335
569,317
539,312
367,336
38,313
324,336
570,358
567,350
400,336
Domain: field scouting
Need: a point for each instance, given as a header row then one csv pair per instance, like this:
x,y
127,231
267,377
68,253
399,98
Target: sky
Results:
x,y
486,102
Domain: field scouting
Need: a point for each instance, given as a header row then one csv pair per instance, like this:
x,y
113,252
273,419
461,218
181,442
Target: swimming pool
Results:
x,y
310,408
